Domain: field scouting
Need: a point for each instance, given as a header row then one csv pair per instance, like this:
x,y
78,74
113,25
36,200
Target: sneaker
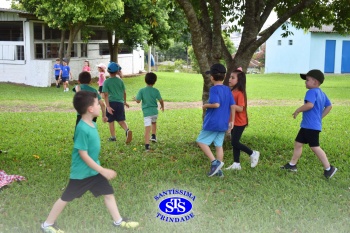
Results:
x,y
289,167
153,139
329,174
220,174
112,139
128,136
254,158
58,86
127,224
51,229
216,165
67,89
234,166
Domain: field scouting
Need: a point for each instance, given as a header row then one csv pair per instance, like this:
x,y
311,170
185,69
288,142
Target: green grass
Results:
x,y
263,199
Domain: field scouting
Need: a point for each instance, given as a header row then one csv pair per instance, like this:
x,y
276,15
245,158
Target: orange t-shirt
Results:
x,y
240,117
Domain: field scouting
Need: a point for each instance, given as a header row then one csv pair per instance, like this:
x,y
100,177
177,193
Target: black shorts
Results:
x,y
308,136
118,114
98,185
57,77
100,89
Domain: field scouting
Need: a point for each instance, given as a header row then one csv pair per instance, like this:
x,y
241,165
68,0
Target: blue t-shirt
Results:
x,y
312,119
65,71
86,138
216,119
57,66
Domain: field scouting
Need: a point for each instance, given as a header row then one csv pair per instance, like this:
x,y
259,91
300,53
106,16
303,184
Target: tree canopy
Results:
x,y
205,18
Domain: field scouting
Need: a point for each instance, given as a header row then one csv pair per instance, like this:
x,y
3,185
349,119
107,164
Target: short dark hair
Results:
x,y
150,78
57,59
218,77
82,100
84,77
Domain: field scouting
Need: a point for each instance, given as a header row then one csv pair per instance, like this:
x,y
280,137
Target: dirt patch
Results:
x,y
17,106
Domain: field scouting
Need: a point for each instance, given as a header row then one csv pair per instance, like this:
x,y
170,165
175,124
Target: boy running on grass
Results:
x,y
316,106
149,96
115,97
218,109
86,173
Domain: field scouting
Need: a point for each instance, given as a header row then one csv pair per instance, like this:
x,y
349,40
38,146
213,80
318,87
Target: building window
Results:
x,y
279,42
290,42
19,52
47,43
104,49
11,31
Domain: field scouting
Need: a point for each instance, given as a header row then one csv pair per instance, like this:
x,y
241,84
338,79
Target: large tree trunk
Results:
x,y
73,32
61,49
113,46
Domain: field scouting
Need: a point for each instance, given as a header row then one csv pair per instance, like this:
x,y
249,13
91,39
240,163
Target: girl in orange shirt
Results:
x,y
237,83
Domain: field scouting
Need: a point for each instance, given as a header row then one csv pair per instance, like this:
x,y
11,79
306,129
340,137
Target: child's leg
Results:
x,y
112,207
298,149
112,128
219,153
147,132
154,128
321,156
123,125
55,211
206,149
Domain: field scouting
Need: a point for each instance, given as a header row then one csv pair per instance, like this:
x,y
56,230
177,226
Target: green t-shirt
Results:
x,y
85,138
86,87
149,96
115,88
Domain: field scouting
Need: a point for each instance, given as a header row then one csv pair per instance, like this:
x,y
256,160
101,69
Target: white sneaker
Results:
x,y
254,158
234,166
67,89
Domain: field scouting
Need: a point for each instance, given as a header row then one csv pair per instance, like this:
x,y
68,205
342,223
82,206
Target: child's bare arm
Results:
x,y
161,105
306,107
326,110
103,109
108,173
214,105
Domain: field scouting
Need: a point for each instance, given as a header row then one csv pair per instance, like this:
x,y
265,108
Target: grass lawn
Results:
x,y
36,131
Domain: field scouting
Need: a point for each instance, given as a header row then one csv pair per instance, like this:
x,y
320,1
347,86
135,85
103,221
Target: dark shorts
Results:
x,y
118,114
100,89
57,77
98,185
308,136
65,79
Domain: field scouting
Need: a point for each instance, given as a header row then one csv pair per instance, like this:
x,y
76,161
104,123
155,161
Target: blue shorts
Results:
x,y
118,113
65,79
208,137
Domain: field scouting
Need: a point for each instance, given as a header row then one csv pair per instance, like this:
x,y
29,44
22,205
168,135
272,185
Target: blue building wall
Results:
x,y
307,52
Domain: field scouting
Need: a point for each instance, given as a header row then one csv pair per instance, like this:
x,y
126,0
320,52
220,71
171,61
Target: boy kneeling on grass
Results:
x,y
86,173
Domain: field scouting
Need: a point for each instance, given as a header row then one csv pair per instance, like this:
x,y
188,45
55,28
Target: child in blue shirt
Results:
x,y
86,173
65,75
57,69
316,106
218,109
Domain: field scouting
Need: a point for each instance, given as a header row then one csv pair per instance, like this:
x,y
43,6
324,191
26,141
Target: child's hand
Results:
x,y
104,119
295,114
126,104
108,173
110,110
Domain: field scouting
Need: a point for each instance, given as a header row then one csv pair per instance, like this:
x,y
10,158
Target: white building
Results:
x,y
29,48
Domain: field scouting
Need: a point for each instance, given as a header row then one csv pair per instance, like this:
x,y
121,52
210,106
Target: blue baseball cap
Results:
x,y
113,67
